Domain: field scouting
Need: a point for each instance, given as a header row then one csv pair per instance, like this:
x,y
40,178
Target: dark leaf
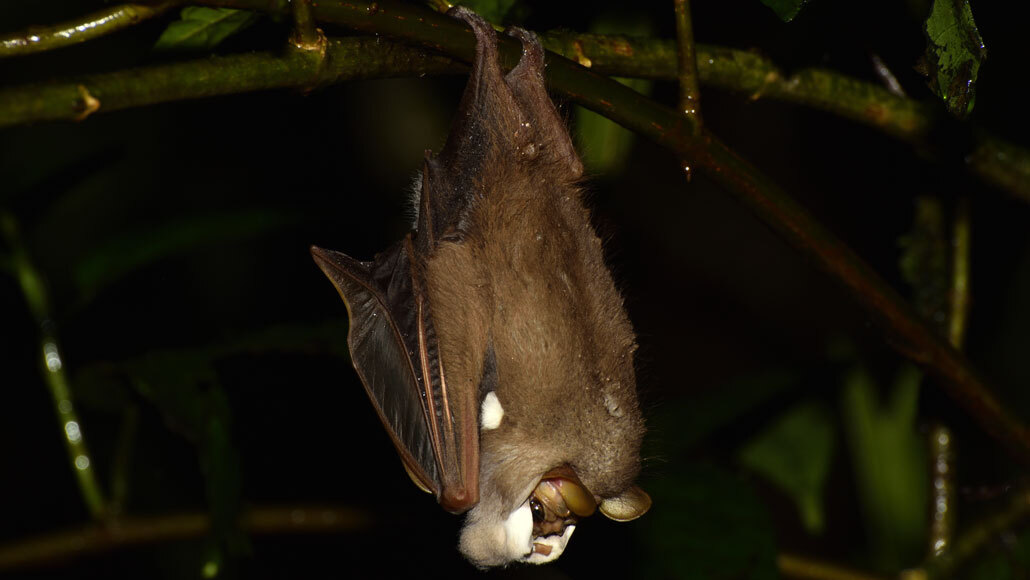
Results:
x,y
889,463
113,260
795,454
201,28
680,427
220,464
603,144
492,10
785,9
924,262
706,524
954,53
174,380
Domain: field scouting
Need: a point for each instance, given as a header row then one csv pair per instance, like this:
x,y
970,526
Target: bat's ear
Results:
x,y
527,84
629,505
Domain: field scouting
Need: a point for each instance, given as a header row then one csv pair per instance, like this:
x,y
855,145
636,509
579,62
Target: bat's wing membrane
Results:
x,y
388,351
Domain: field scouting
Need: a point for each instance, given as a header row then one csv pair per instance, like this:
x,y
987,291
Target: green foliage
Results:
x,y
132,250
603,144
493,10
706,524
889,464
200,28
795,453
683,426
1006,561
785,9
954,53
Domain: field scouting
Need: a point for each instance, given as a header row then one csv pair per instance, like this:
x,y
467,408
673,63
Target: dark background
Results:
x,y
223,197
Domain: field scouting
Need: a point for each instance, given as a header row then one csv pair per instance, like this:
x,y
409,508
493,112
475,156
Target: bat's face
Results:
x,y
492,341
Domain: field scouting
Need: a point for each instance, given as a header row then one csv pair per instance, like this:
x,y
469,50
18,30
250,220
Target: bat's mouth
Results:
x,y
559,500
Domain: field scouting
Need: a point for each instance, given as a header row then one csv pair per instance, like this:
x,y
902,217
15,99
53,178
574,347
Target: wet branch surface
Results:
x,y
1003,164
135,531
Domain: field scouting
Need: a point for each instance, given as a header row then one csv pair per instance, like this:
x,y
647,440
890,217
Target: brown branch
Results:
x,y
135,531
690,94
794,566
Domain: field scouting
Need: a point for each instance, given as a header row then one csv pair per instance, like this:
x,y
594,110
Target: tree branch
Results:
x,y
690,94
134,531
1000,163
51,366
794,566
93,25
346,59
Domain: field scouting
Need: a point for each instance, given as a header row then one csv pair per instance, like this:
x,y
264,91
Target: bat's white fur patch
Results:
x,y
492,412
491,541
518,529
557,544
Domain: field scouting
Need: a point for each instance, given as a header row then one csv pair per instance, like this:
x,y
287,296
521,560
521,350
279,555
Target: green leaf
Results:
x,y
175,380
785,9
795,454
603,144
1003,561
113,260
705,524
201,28
493,10
889,461
220,464
682,425
954,53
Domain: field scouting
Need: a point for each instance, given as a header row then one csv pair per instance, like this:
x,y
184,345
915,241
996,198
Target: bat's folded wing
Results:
x,y
385,350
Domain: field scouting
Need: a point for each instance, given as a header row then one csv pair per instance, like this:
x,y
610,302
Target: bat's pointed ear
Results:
x,y
527,84
627,506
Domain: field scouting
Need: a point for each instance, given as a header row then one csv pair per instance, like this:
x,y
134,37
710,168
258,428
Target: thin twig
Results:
x,y
134,531
976,536
52,368
942,491
93,25
960,287
690,94
794,566
306,36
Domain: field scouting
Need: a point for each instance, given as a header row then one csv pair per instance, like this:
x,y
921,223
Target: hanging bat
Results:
x,y
491,339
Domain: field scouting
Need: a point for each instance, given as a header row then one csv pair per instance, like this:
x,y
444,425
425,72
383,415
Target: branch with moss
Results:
x,y
1000,163
135,531
93,25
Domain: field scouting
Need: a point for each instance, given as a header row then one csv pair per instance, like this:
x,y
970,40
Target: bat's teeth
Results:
x,y
554,545
491,413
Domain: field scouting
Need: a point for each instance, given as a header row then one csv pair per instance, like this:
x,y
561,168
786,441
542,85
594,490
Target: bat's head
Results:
x,y
539,529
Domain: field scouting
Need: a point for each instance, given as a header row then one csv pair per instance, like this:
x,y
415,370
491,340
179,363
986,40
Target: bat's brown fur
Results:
x,y
528,278
504,264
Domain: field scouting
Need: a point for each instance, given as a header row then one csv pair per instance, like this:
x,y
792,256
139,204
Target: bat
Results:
x,y
492,340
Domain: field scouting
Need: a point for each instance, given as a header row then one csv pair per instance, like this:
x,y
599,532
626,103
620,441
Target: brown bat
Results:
x,y
491,339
